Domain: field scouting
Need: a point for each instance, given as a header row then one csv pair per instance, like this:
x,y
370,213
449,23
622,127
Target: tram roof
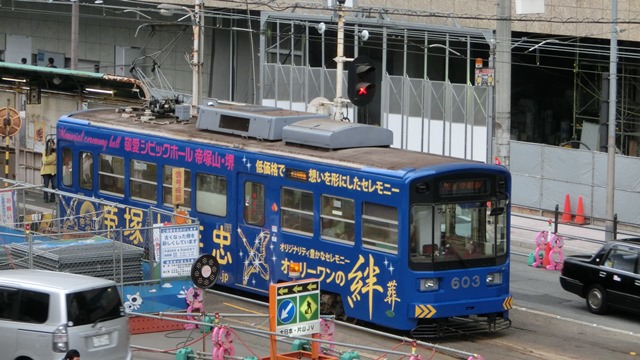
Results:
x,y
72,82
375,157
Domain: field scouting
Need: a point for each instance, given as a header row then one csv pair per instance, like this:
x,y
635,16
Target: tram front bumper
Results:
x,y
461,308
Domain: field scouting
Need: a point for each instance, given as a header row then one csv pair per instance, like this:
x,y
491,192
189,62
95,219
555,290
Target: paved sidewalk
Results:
x,y
578,239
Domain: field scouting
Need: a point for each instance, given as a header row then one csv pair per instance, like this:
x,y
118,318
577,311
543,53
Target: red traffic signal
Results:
x,y
362,88
362,81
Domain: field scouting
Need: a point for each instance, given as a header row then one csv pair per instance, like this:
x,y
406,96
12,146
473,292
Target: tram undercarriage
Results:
x,y
460,326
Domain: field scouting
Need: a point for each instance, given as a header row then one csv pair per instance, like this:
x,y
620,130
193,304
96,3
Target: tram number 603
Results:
x,y
465,281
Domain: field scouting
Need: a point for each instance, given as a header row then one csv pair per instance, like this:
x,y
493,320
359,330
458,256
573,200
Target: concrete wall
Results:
x,y
544,175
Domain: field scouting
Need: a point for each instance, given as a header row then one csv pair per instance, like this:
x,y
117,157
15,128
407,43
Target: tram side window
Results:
x,y
254,203
297,211
211,194
424,224
142,180
380,227
167,187
86,170
67,159
337,218
496,226
111,174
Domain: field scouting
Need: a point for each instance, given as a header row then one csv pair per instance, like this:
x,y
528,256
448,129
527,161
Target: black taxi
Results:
x,y
607,279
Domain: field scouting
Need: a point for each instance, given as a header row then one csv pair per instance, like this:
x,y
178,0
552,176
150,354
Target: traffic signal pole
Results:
x,y
340,60
362,75
197,18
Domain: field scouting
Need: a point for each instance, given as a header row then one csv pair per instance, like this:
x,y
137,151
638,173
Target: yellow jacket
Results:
x,y
48,164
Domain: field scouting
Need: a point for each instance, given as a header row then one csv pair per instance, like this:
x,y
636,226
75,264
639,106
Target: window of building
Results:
x,y
380,227
67,169
337,218
142,180
254,203
167,187
297,211
211,194
111,174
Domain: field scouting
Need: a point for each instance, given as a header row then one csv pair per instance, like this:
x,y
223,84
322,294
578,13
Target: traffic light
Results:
x,y
361,81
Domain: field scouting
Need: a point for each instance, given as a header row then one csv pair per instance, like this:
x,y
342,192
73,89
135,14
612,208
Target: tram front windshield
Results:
x,y
455,232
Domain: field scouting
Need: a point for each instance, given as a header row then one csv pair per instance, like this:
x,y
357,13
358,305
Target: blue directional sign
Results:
x,y
286,311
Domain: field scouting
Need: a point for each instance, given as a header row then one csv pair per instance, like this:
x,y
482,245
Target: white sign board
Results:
x,y
347,3
7,210
17,47
179,249
529,7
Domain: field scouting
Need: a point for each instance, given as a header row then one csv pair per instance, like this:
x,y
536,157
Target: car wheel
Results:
x,y
596,300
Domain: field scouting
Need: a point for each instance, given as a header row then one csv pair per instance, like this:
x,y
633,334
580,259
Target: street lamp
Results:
x,y
196,65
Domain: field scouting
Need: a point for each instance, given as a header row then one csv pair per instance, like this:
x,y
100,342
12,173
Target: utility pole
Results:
x,y
197,26
490,105
611,138
75,20
502,125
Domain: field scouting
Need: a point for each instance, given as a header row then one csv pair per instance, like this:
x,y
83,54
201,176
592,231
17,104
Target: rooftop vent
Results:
x,y
255,121
332,134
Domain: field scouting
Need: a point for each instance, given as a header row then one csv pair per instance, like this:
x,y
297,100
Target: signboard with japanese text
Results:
x,y
296,307
7,212
178,250
177,186
485,76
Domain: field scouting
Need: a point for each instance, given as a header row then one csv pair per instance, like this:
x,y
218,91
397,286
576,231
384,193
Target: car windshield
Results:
x,y
93,306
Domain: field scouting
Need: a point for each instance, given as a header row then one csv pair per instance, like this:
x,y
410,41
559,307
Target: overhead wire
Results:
x,y
279,7
552,50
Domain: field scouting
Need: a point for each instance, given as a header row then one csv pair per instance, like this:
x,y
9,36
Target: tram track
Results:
x,y
346,331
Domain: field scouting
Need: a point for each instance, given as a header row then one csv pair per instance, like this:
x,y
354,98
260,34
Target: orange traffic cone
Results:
x,y
580,212
566,215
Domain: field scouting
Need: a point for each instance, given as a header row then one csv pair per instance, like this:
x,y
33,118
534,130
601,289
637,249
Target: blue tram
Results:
x,y
401,239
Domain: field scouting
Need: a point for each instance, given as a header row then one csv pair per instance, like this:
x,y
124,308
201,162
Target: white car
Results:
x,y
43,314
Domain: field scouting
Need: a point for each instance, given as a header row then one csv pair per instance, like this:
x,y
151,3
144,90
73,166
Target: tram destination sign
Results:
x,y
295,307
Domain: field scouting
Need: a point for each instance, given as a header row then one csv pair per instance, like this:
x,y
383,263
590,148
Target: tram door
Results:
x,y
255,267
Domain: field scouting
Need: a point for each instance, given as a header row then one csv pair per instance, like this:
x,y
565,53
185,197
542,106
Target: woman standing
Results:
x,y
48,170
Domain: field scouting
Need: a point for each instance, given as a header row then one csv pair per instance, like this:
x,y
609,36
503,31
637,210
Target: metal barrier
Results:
x,y
84,235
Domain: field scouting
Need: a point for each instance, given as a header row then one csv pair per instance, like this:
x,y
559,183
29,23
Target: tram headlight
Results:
x,y
432,284
494,278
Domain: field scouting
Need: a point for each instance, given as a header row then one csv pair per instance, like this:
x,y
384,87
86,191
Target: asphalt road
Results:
x,y
547,323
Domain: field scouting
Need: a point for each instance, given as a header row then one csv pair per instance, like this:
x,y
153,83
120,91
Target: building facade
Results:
x,y
425,52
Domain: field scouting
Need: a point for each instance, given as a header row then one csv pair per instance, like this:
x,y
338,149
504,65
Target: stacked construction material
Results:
x,y
5,260
96,256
